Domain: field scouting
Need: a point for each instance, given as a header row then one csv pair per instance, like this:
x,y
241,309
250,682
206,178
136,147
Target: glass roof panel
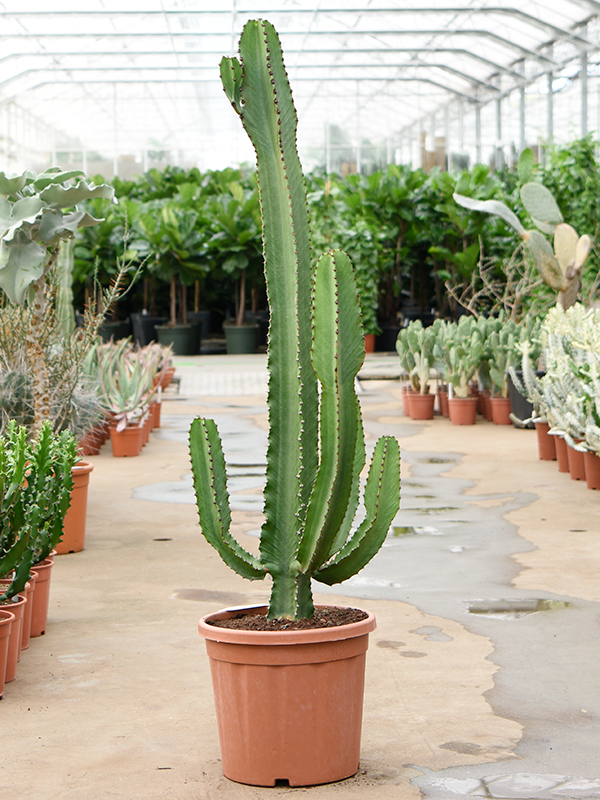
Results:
x,y
134,78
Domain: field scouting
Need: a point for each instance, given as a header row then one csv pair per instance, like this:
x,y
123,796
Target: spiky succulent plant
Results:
x,y
316,448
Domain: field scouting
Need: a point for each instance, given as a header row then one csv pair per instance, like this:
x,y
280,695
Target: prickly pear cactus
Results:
x,y
316,447
560,268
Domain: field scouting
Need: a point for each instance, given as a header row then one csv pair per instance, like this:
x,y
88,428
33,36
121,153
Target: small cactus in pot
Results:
x,y
316,448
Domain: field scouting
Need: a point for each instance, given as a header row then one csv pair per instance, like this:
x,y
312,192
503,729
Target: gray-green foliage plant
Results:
x,y
460,347
37,213
316,448
415,345
559,267
35,485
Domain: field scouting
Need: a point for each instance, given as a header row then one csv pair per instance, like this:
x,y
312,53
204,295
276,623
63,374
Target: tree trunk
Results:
x,y
173,301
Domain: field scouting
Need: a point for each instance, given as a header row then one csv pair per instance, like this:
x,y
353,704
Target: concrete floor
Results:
x,y
482,676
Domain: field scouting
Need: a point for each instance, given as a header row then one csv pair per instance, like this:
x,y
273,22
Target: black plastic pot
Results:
x,y
144,328
520,406
184,339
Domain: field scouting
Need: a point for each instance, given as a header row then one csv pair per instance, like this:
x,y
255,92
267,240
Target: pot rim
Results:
x,y
309,636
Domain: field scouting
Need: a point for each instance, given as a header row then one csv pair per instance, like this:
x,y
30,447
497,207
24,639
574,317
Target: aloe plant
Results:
x,y
35,485
316,448
560,268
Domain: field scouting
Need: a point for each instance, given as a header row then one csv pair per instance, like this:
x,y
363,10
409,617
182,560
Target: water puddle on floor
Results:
x,y
514,609
415,530
522,786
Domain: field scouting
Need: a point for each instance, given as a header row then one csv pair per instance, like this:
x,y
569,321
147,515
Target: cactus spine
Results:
x,y
316,446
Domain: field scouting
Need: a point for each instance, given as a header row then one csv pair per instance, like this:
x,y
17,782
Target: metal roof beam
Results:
x,y
218,53
472,32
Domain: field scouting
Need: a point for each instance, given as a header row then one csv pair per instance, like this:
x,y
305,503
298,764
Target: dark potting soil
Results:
x,y
323,618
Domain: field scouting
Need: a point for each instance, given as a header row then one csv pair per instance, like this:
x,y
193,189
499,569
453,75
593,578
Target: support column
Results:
x,y
584,91
478,133
498,156
358,165
521,119
550,108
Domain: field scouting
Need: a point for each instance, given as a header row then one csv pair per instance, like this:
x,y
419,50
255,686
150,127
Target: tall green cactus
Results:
x,y
560,268
316,448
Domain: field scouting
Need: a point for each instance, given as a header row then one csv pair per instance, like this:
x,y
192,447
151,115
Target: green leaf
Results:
x,y
56,175
11,185
68,196
21,263
12,215
491,207
231,78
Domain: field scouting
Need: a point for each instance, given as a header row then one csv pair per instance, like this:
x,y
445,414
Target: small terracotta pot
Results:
x,y
41,597
562,455
486,405
420,406
443,402
546,443
463,410
90,444
500,410
155,411
167,377
576,463
289,703
592,469
14,639
7,619
369,342
406,391
29,591
73,537
127,442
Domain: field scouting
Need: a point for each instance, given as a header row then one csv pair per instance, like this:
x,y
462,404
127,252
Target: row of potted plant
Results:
x,y
36,481
129,381
468,357
565,395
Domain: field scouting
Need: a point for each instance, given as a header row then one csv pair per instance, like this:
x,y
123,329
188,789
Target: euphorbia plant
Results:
x,y
35,484
316,448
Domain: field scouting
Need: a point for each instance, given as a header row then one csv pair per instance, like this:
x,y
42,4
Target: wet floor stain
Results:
x,y
415,530
520,786
515,609
433,634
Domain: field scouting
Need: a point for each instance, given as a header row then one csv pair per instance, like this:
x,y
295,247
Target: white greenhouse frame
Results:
x,y
118,87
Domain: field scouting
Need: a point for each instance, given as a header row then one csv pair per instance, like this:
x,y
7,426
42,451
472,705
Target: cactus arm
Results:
x,y
544,260
382,500
337,360
210,485
269,118
541,207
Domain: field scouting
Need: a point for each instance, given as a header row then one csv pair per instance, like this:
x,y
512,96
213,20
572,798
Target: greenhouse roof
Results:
x,y
136,76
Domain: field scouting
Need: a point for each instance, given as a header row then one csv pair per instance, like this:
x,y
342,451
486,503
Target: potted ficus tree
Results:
x,y
288,693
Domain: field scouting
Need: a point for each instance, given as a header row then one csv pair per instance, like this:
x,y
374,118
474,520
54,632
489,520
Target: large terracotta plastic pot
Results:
x,y
501,410
576,463
41,597
289,704
14,640
6,620
562,455
420,406
127,442
73,538
592,469
546,443
369,342
463,410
